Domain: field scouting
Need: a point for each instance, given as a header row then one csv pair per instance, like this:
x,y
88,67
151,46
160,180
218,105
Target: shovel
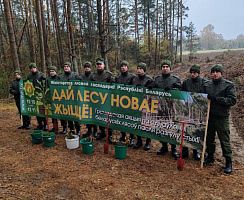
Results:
x,y
180,160
106,146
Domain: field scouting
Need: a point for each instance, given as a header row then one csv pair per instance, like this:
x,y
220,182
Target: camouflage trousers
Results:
x,y
221,126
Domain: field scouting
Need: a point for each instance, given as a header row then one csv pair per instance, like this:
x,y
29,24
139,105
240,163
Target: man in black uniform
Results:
x,y
14,89
87,77
193,84
167,81
69,75
36,76
146,81
126,78
102,75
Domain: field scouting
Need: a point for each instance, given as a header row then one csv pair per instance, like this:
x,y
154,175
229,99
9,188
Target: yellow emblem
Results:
x,y
29,88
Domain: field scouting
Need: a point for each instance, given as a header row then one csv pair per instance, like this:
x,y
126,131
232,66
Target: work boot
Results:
x,y
138,143
101,135
78,130
95,134
87,134
131,141
122,139
185,153
39,127
228,165
164,149
147,145
28,126
64,130
110,140
196,155
174,151
209,159
45,126
21,127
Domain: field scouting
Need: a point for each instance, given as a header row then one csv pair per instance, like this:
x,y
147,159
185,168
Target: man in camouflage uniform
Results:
x,y
222,94
87,77
36,76
167,81
69,75
53,76
14,89
193,84
126,78
146,81
102,75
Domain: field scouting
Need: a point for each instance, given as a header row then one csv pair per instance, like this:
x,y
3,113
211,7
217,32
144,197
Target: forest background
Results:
x,y
51,32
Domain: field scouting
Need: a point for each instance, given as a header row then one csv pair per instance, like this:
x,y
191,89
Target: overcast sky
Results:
x,y
227,16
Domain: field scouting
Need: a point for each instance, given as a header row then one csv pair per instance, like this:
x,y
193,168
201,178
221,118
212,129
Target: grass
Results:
x,y
211,51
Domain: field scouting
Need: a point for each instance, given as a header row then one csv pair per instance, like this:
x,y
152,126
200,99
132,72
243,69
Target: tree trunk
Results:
x,y
118,34
100,29
73,54
54,6
40,34
181,25
12,41
45,37
3,54
32,48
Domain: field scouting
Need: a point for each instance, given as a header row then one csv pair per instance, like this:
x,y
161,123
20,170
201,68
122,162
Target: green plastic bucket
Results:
x,y
86,146
36,136
120,151
48,140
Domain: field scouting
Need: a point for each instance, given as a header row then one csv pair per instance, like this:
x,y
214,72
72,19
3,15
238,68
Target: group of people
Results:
x,y
221,92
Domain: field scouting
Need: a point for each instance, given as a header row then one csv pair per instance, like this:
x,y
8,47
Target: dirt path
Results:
x,y
29,171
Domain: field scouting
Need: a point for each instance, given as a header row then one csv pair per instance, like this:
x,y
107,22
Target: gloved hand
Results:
x,y
177,86
167,88
150,87
212,97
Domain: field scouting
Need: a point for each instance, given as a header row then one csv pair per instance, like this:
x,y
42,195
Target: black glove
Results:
x,y
150,87
212,97
176,85
167,88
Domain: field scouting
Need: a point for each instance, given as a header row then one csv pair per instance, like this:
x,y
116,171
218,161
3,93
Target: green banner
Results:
x,y
152,113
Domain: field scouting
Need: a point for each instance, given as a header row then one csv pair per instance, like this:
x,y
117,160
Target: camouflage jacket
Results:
x,y
14,89
194,85
125,78
144,80
102,76
69,76
86,76
168,81
225,93
37,76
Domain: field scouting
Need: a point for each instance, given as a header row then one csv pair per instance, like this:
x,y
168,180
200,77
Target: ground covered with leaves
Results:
x,y
32,171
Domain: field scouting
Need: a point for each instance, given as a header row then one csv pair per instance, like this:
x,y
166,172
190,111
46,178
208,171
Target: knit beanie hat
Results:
x,y
99,61
124,62
68,63
17,72
53,68
87,64
195,68
217,68
166,62
32,65
142,65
